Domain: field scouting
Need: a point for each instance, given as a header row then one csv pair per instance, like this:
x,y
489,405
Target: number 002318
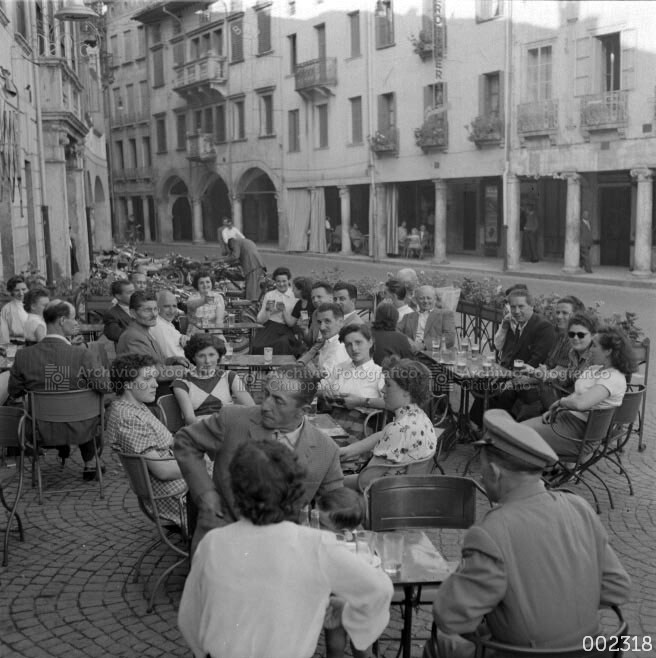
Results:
x,y
635,643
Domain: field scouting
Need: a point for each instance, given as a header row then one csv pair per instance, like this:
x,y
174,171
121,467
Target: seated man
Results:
x,y
346,294
538,566
117,316
171,342
323,356
55,365
281,417
358,240
428,324
321,293
396,293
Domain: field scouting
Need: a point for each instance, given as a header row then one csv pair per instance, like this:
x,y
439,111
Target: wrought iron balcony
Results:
x,y
200,147
606,111
316,75
203,79
433,134
127,117
539,118
486,129
385,141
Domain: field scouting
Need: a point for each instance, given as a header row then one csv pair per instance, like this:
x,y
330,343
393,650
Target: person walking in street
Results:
x,y
531,235
585,241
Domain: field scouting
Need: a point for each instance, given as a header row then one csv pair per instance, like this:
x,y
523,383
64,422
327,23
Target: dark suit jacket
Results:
x,y
116,322
222,433
439,323
532,346
138,340
56,365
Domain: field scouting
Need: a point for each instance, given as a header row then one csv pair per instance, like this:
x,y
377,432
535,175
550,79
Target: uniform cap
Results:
x,y
516,440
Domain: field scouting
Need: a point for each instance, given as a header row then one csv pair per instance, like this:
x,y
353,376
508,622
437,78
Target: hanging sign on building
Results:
x,y
438,37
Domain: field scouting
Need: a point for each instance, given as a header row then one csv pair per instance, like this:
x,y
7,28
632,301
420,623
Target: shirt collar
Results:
x,y
58,337
289,439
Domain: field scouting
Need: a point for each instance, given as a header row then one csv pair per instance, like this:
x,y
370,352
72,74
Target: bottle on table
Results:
x,y
314,519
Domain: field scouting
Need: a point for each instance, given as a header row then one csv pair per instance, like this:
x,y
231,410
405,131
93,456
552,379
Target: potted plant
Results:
x,y
422,44
383,141
433,132
485,128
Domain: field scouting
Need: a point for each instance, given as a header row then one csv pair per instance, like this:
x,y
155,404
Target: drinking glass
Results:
x,y
364,542
518,364
435,348
461,361
268,354
392,553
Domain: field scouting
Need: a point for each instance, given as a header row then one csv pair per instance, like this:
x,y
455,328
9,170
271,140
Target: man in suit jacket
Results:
x,y
428,324
585,241
55,365
281,417
117,317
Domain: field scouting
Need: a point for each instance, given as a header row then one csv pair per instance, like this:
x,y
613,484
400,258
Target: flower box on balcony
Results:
x,y
422,44
433,135
384,141
486,129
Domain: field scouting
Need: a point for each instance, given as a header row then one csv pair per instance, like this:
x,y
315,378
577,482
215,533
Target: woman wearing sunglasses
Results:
x,y
600,385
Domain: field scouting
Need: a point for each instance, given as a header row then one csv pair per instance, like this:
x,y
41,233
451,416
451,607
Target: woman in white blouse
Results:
x,y
208,306
276,314
13,312
410,436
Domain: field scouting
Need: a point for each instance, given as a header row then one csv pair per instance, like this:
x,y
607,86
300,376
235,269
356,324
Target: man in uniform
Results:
x,y
538,566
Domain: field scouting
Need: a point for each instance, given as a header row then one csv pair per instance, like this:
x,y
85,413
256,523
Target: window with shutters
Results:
x,y
160,132
120,157
141,42
205,44
144,100
198,120
354,31
435,96
264,31
238,119
322,125
356,120
236,41
208,120
158,67
194,49
220,123
386,112
113,47
538,69
293,54
117,103
384,24
134,159
148,156
294,128
611,79
492,94
127,46
217,41
129,100
21,18
178,53
486,10
267,128
181,131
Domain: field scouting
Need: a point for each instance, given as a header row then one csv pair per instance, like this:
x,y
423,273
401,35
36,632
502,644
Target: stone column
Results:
x,y
345,207
439,238
197,221
513,236
379,230
642,249
146,219
237,217
572,222
129,204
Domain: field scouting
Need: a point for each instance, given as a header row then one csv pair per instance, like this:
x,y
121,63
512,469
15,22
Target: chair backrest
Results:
x,y
627,412
11,427
65,406
422,501
599,422
375,421
372,472
171,413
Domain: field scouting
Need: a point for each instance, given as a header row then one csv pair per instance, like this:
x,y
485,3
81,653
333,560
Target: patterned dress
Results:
x,y
208,394
132,428
409,437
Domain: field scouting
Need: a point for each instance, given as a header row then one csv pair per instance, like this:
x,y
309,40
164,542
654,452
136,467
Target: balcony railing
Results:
x,y
200,146
133,174
316,73
604,111
126,117
538,118
385,141
210,71
433,134
486,129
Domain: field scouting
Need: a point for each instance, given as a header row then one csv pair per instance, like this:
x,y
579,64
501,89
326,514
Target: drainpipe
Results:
x,y
507,134
373,197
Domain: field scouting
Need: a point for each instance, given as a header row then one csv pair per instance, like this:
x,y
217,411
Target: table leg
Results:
x,y
406,638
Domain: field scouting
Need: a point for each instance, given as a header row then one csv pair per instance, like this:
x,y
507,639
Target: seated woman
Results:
x,y
132,428
353,388
276,315
34,302
13,313
302,289
205,388
388,341
410,436
208,306
601,385
261,586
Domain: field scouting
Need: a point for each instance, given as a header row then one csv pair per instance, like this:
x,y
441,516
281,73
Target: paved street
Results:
x,y
68,591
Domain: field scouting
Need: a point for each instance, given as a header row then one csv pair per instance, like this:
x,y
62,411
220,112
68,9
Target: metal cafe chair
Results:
x,y
170,412
136,469
64,407
12,429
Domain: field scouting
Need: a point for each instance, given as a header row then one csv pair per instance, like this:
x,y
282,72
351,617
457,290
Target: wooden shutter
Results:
x,y
482,90
502,100
356,120
628,40
263,31
583,66
236,41
355,33
158,68
382,112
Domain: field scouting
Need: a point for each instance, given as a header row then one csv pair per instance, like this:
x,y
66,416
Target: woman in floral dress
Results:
x,y
410,436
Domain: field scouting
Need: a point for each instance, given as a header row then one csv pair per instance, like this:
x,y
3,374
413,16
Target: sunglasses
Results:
x,y
577,334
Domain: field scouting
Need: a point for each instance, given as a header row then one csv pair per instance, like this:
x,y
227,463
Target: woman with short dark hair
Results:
x,y
13,313
388,341
208,306
34,303
261,586
206,388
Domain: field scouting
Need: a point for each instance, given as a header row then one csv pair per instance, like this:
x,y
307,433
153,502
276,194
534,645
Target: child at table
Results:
x,y
340,510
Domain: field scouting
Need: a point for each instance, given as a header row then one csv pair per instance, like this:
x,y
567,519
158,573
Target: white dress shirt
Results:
x,y
403,311
263,591
15,315
331,354
228,233
167,337
422,317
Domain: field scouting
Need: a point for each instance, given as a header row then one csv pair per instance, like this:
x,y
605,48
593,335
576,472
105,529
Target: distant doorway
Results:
x,y
181,219
615,224
470,220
